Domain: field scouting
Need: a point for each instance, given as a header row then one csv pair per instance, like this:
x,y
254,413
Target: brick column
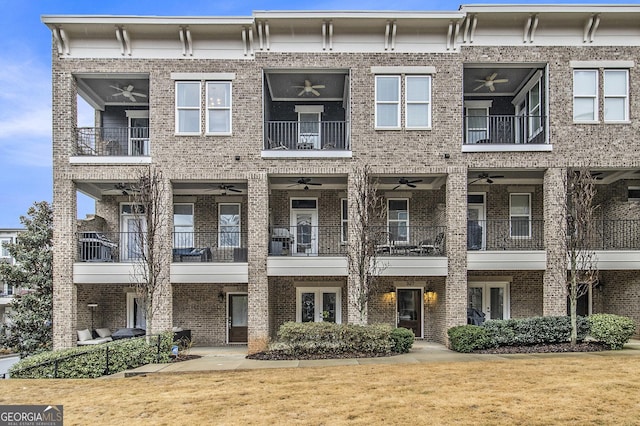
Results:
x,y
353,316
64,109
554,300
163,299
456,244
64,255
258,285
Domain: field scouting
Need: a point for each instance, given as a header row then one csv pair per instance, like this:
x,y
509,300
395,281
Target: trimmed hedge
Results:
x,y
401,340
468,338
329,339
91,362
612,330
515,332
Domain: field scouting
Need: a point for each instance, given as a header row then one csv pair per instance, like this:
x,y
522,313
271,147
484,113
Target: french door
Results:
x,y
319,304
133,227
490,298
304,227
476,224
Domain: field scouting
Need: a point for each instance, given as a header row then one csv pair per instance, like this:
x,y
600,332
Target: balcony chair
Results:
x,y
276,145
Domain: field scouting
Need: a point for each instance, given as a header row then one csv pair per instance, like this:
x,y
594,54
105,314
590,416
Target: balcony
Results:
x,y
112,142
296,135
504,129
188,247
617,235
505,234
307,241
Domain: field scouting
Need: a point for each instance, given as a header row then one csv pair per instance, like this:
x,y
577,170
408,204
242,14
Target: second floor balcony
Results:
x,y
112,141
307,135
504,129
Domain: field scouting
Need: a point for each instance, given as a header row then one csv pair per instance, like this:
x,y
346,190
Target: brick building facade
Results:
x,y
468,120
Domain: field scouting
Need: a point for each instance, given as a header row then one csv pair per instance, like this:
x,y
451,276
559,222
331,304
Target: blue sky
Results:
x,y
25,75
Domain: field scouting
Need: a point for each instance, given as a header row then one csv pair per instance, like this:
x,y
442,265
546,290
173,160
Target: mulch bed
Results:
x,y
546,348
280,356
185,358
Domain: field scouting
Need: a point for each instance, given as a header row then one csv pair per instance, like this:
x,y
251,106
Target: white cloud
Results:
x,y
25,112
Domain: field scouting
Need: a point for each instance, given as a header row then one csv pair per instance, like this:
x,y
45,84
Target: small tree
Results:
x,y
150,210
580,212
28,327
364,267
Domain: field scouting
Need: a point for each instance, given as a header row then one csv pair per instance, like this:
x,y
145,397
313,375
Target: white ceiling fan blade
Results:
x,y
315,92
501,80
129,88
117,88
301,92
492,76
298,87
139,94
479,87
117,94
318,86
492,89
480,81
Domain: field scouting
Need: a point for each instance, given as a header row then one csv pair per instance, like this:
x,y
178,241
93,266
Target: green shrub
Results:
x,y
328,339
91,362
535,330
468,338
612,330
401,340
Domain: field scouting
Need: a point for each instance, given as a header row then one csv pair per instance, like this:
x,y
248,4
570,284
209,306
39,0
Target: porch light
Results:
x,y
92,307
430,297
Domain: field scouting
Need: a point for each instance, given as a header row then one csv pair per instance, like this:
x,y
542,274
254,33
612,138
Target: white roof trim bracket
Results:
x,y
60,38
471,22
247,41
590,28
187,42
452,35
123,38
530,28
390,35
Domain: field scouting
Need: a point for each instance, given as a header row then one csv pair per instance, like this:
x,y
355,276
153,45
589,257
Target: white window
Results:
x,y
183,226
344,221
616,95
398,220
388,102
418,102
4,252
219,108
229,225
520,215
188,107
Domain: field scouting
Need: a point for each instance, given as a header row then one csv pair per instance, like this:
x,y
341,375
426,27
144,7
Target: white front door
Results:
x,y
304,232
138,136
490,298
319,304
476,227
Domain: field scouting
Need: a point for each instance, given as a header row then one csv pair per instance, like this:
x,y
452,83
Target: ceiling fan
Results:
x,y
306,182
124,188
487,177
405,181
127,92
226,187
309,88
489,82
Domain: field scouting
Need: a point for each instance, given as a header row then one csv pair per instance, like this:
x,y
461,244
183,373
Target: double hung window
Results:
x,y
417,102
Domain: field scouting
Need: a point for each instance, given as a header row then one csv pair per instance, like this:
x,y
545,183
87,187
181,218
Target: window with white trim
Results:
x,y
418,102
633,193
188,107
218,107
4,251
229,225
344,220
183,225
398,220
616,95
520,215
388,102
615,83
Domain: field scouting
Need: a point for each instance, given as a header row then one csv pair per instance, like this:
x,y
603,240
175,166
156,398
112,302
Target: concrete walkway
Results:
x,y
233,358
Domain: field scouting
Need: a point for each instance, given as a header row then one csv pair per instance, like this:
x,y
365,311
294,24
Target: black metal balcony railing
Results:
x,y
295,135
410,241
617,235
116,141
187,247
505,234
504,129
306,240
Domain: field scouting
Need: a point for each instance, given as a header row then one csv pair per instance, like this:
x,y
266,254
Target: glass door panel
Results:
x,y
490,299
309,135
329,307
139,136
305,229
475,229
308,307
319,304
409,304
238,318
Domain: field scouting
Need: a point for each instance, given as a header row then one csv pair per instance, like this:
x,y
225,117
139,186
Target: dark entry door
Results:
x,y
410,310
238,317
